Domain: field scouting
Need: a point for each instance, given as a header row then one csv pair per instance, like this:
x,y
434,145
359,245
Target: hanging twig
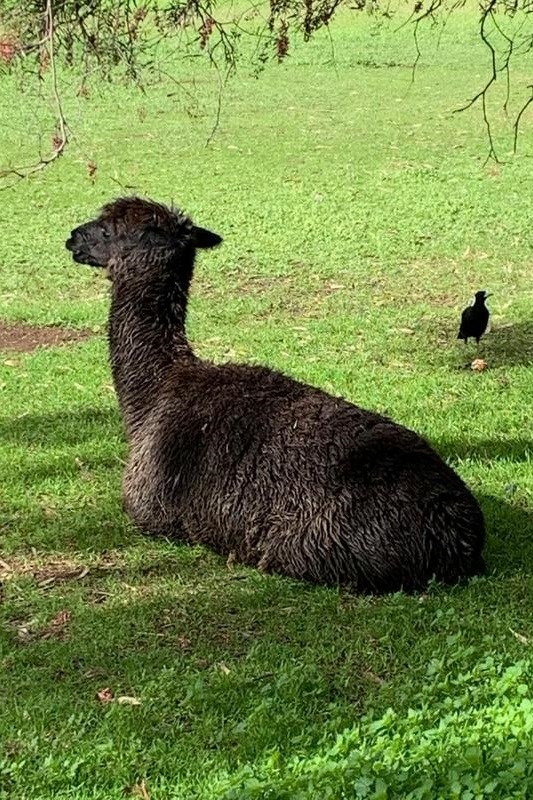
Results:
x,y
221,86
519,117
483,93
60,138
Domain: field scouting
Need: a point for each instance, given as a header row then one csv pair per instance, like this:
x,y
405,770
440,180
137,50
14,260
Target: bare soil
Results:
x,y
24,338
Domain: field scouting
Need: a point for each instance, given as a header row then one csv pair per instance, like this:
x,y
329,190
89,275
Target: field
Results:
x,y
359,217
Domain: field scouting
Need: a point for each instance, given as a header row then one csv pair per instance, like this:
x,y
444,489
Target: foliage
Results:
x,y
127,33
465,736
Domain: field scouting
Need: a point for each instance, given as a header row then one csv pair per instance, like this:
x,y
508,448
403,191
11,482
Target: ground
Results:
x,y
358,217
19,337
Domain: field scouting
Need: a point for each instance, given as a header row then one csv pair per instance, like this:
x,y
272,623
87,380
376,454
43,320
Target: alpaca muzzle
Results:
x,y
82,252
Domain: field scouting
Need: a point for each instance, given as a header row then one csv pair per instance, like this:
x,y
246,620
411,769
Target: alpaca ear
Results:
x,y
204,239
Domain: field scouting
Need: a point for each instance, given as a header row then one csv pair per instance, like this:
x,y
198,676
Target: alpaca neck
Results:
x,y
146,337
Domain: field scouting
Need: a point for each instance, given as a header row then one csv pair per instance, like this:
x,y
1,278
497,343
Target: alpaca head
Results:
x,y
130,228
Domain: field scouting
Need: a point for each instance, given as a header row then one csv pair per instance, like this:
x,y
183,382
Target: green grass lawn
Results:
x,y
358,218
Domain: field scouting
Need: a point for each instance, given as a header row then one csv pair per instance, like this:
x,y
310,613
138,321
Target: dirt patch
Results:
x,y
23,338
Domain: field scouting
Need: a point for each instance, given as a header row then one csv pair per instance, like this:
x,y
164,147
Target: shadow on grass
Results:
x,y
98,523
228,666
509,346
510,536
486,449
61,427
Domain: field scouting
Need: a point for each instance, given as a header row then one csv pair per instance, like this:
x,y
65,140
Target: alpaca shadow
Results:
x,y
505,346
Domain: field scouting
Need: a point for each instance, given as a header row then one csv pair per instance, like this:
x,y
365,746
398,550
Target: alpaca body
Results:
x,y
250,462
292,480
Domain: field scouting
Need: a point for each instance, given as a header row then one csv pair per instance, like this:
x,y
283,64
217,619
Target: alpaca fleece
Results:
x,y
250,462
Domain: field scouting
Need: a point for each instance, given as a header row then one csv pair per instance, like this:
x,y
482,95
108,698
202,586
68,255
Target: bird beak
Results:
x,y
488,294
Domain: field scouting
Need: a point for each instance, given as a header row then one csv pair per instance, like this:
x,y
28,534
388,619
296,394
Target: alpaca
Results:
x,y
276,473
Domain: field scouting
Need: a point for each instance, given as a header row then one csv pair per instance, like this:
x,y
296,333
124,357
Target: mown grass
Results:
x,y
358,218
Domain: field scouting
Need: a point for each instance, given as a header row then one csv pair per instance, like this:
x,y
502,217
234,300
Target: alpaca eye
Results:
x,y
105,233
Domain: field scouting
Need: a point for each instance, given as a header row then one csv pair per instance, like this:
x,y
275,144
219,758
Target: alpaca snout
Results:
x,y
75,248
74,240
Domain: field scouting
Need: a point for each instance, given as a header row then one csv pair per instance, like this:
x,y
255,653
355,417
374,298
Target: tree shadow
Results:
x,y
227,661
60,427
486,449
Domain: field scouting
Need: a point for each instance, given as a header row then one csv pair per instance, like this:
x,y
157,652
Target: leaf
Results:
x,y
105,695
371,676
139,790
24,633
128,700
46,583
63,575
478,365
61,619
56,627
5,566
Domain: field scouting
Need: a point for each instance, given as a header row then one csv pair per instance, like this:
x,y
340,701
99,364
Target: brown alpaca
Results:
x,y
251,462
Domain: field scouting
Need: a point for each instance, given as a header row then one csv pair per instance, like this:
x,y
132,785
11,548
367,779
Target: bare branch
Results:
x,y
418,53
222,81
505,66
417,17
492,152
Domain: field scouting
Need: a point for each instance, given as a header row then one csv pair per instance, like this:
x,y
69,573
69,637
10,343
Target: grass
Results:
x,y
358,218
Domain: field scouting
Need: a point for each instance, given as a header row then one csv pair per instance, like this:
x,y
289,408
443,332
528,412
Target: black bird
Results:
x,y
475,319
